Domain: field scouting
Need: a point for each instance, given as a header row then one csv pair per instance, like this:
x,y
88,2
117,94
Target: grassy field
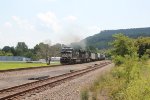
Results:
x,y
15,65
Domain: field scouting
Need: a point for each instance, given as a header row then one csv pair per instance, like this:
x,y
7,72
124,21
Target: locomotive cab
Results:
x,y
66,55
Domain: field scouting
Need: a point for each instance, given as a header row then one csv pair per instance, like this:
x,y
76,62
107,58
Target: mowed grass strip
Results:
x,y
16,65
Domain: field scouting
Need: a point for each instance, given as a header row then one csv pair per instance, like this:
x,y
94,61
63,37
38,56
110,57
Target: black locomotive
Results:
x,y
72,56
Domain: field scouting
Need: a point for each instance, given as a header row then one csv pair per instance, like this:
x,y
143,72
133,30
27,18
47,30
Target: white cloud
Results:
x,y
50,20
71,18
94,29
49,0
23,24
15,18
64,30
7,25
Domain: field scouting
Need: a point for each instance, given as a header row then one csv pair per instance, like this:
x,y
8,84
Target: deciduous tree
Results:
x,y
21,49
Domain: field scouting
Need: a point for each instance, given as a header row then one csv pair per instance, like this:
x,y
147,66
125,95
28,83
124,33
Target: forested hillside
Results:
x,y
102,39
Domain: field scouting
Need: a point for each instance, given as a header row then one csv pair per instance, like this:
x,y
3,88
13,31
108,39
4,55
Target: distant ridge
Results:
x,y
102,39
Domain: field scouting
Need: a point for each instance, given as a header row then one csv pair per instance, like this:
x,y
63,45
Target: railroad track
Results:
x,y
41,85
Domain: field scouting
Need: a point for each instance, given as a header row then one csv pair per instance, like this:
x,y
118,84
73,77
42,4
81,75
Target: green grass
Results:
x,y
148,62
114,84
15,65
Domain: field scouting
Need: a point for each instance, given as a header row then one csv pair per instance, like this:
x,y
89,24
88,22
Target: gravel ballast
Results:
x,y
70,90
14,78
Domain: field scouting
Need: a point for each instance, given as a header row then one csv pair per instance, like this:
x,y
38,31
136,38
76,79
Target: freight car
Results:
x,y
72,56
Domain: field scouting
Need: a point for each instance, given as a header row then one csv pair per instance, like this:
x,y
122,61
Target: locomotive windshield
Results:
x,y
66,54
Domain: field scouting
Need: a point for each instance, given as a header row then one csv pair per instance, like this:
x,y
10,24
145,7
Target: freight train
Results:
x,y
72,56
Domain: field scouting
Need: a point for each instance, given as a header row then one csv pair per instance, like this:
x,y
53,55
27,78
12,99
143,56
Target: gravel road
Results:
x,y
69,90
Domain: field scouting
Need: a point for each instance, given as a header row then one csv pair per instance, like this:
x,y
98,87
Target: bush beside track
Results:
x,y
115,86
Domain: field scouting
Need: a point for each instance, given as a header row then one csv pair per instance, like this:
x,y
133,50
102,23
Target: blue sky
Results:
x,y
65,21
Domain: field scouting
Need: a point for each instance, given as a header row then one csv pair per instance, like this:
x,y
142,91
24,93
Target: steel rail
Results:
x,y
38,86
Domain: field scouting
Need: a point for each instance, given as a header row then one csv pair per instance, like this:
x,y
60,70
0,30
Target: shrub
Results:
x,y
84,95
118,60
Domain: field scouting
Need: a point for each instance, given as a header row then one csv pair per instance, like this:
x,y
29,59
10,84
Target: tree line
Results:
x,y
123,45
41,50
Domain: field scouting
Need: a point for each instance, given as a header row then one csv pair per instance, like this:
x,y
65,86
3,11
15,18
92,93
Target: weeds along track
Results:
x,y
41,85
